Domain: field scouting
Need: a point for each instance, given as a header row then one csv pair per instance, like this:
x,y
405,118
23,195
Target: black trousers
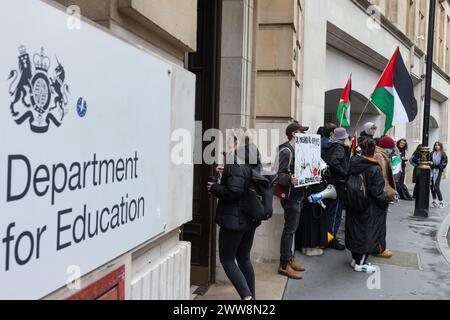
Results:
x,y
436,188
402,189
360,258
236,246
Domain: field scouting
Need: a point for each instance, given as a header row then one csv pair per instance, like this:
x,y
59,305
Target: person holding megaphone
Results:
x,y
337,157
312,233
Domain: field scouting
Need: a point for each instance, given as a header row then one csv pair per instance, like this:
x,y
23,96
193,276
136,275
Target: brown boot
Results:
x,y
290,272
297,266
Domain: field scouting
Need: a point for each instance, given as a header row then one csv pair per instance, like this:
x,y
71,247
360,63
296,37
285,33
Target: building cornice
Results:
x,y
397,33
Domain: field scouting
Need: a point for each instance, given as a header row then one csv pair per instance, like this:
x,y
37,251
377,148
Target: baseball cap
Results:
x,y
294,127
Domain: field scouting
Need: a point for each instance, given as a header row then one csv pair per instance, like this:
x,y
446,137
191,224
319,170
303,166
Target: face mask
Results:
x,y
390,151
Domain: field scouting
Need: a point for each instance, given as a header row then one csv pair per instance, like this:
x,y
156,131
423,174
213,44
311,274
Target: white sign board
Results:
x,y
308,161
84,152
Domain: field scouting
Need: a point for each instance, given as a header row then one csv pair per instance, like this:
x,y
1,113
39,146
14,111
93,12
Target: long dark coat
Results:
x,y
365,232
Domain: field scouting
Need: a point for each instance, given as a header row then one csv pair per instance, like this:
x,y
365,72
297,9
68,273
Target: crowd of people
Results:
x,y
312,228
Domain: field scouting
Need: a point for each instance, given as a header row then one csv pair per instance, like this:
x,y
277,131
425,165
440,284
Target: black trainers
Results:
x,y
336,245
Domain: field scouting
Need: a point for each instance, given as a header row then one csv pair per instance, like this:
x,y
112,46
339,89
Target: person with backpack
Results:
x,y
237,230
292,202
439,161
337,156
366,207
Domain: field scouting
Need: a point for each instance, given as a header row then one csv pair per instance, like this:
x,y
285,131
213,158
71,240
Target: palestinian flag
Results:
x,y
394,94
343,113
396,163
354,144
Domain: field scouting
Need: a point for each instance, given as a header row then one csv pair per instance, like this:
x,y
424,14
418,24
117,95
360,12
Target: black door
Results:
x,y
205,64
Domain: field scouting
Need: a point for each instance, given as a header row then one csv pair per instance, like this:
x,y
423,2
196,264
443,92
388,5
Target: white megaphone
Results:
x,y
328,193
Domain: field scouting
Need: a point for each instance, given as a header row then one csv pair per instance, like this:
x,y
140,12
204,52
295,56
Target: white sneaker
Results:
x,y
434,204
441,205
365,268
310,252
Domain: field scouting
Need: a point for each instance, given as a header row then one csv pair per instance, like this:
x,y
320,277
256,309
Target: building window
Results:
x,y
447,51
411,24
392,10
441,34
422,24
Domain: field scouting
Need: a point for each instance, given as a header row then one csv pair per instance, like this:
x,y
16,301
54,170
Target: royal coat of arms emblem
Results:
x,y
36,96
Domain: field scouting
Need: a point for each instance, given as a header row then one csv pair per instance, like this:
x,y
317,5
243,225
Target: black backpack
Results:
x,y
357,197
257,201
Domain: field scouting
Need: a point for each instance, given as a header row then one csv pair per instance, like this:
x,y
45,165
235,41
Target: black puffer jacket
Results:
x,y
337,156
231,190
443,164
365,232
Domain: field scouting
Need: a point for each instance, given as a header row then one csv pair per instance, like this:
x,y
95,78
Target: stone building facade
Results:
x,y
303,54
261,64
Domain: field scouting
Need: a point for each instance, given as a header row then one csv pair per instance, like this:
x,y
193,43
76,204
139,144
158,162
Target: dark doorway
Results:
x,y
205,64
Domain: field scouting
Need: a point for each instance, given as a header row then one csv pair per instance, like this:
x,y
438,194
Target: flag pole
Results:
x,y
360,116
422,207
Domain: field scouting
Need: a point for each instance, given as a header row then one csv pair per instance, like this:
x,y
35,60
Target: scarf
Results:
x,y
367,127
333,140
437,158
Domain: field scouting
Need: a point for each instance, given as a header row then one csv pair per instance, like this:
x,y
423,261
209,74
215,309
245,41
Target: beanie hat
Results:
x,y
387,142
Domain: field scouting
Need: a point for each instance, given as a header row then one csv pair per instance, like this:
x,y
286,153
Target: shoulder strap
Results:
x,y
364,186
290,157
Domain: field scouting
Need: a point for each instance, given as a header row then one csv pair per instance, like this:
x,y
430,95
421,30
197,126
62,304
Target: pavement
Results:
x,y
418,269
269,285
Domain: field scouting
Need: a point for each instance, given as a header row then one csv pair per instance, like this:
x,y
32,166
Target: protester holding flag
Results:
x,y
369,130
402,189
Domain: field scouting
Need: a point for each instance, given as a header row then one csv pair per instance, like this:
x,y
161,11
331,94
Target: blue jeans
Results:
x,y
292,210
334,213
